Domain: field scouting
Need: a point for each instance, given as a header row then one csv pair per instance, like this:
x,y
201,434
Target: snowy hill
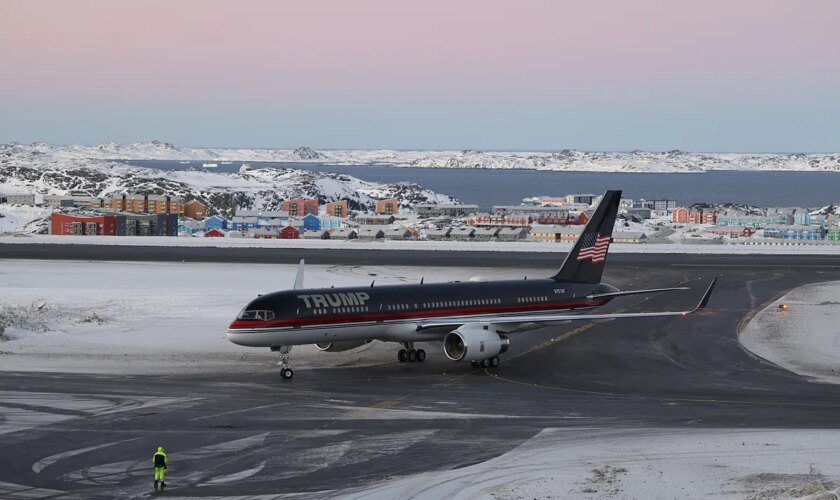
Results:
x,y
46,169
565,160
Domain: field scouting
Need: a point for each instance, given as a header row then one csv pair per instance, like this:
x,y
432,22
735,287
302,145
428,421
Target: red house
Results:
x,y
289,233
300,207
68,225
680,216
214,233
582,219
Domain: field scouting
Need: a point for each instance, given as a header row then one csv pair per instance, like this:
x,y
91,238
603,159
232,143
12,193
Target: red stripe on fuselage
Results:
x,y
393,315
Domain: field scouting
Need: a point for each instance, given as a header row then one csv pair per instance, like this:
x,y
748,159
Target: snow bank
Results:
x,y
453,246
805,338
640,463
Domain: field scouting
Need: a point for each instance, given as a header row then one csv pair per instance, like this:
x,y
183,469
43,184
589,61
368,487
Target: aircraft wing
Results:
x,y
549,318
634,292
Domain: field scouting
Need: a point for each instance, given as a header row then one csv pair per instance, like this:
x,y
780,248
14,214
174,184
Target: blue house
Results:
x,y
311,222
215,222
329,222
189,227
796,232
243,223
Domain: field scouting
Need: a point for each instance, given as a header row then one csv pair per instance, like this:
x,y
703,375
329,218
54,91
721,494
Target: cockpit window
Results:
x,y
256,315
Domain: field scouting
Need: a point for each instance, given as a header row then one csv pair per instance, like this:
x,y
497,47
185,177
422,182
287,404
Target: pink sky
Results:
x,y
361,53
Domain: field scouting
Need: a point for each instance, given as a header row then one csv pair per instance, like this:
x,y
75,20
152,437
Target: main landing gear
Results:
x,y
285,370
411,354
486,363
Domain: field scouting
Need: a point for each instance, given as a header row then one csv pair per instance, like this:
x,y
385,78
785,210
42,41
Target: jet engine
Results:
x,y
474,343
341,346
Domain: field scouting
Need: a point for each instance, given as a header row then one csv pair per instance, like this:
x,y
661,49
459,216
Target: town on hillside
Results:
x,y
538,219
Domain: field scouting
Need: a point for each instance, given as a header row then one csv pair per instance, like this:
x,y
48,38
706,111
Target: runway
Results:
x,y
332,431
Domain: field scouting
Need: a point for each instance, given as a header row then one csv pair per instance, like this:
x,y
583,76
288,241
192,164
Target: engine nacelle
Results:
x,y
341,346
474,343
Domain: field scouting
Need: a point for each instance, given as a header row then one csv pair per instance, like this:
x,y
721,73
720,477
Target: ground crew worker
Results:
x,y
160,461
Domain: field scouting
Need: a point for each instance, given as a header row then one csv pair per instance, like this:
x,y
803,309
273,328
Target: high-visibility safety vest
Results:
x,y
159,458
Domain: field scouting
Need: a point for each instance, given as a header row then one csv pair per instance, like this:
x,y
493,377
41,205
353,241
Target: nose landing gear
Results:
x,y
285,370
410,354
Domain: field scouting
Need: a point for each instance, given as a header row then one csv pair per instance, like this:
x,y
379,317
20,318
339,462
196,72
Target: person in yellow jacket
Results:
x,y
160,461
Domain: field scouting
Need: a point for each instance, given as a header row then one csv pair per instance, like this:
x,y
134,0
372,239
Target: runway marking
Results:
x,y
42,464
553,340
388,403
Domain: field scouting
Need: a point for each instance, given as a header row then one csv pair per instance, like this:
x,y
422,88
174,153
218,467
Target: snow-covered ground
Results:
x,y
805,338
131,317
14,218
159,317
566,160
641,463
451,246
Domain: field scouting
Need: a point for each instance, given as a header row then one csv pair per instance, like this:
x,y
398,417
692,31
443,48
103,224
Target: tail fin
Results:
x,y
585,262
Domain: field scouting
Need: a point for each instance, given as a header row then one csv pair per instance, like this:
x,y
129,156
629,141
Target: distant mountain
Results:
x,y
566,160
45,169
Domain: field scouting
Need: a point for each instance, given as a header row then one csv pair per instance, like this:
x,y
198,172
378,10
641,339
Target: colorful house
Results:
x,y
337,208
215,222
329,222
795,232
194,209
289,233
300,207
214,233
78,225
311,222
243,223
387,207
188,227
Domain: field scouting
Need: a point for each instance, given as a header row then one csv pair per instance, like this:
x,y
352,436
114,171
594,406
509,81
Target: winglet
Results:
x,y
705,299
299,276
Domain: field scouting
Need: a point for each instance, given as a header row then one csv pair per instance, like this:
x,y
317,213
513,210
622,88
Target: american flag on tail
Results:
x,y
594,247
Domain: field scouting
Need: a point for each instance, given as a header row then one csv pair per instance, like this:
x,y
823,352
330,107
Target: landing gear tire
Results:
x,y
285,372
402,355
421,355
412,356
476,364
494,362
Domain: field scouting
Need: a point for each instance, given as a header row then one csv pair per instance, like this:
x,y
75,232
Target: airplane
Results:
x,y
473,319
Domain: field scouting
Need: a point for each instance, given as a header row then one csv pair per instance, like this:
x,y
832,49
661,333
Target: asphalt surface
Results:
x,y
83,436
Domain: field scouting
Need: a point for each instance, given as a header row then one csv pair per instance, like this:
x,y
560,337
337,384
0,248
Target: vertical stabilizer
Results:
x,y
585,262
299,276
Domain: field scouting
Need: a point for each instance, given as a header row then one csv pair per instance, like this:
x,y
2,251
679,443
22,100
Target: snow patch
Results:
x,y
805,338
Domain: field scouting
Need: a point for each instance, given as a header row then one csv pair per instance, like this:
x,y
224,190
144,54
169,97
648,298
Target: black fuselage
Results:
x,y
323,306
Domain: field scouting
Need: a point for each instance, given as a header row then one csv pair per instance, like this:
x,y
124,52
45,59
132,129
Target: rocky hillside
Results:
x,y
42,170
563,160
